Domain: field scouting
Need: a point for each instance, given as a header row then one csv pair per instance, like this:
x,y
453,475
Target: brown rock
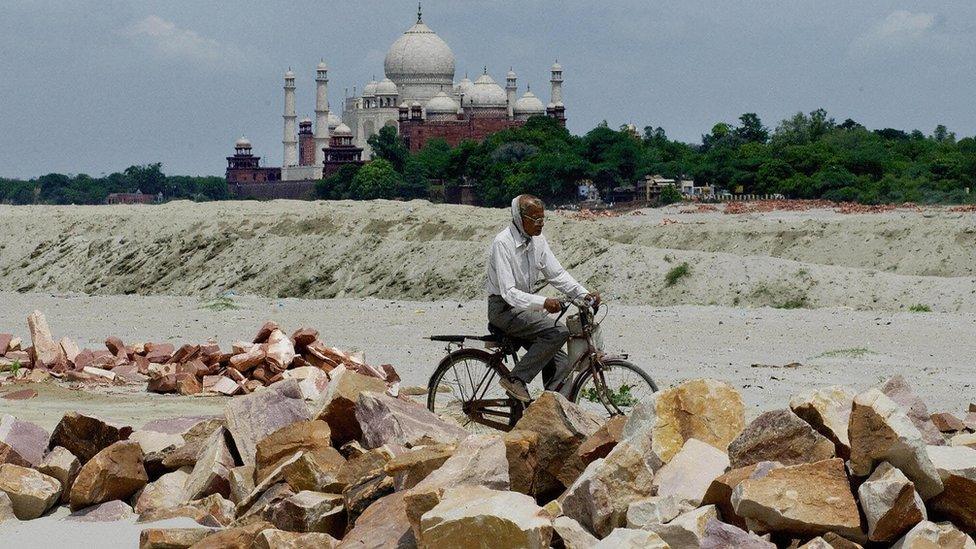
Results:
x,y
279,539
709,410
508,519
688,529
69,348
195,438
655,510
838,542
241,482
62,465
880,431
890,504
364,464
159,353
110,511
302,337
386,420
572,535
365,491
212,510
166,492
522,449
84,436
691,471
114,473
21,442
947,423
241,537
248,360
310,512
257,503
719,493
252,417
779,435
5,343
312,435
719,535
383,524
627,538
827,410
211,472
171,538
603,440
413,466
47,352
964,439
114,345
31,492
185,353
957,469
562,428
806,500
315,471
265,331
280,351
898,390
337,406
929,535
23,394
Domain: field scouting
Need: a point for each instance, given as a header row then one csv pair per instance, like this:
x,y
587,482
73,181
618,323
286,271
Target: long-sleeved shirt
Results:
x,y
514,266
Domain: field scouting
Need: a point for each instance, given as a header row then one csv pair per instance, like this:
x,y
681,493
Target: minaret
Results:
x,y
321,112
290,141
511,88
557,83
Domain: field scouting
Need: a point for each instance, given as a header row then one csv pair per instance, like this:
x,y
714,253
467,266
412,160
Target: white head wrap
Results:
x,y
517,218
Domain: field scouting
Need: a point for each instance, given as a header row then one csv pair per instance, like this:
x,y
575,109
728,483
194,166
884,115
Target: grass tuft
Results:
x,y
920,308
676,274
222,303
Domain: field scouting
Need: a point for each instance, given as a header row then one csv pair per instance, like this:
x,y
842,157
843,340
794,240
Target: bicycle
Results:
x,y
465,383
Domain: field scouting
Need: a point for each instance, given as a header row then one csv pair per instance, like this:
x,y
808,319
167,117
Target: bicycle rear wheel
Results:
x,y
618,387
465,388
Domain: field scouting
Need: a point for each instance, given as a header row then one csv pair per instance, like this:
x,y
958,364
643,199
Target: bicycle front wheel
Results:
x,y
617,387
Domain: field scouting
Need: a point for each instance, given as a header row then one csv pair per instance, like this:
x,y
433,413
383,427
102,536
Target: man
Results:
x,y
517,257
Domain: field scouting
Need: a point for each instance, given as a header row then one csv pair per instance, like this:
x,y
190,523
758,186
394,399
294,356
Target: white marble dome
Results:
x,y
342,130
386,87
420,56
441,104
242,143
486,93
334,121
370,89
529,104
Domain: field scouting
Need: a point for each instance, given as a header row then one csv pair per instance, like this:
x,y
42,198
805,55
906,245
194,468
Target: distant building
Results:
x,y
133,198
244,167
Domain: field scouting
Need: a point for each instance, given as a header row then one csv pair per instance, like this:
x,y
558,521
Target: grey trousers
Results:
x,y
544,338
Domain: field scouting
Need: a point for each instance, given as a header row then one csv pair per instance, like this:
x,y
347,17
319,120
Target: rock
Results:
x,y
363,465
838,542
562,428
62,465
508,519
312,381
110,511
719,535
522,449
212,510
69,348
572,534
479,460
114,473
31,492
165,492
929,535
413,466
337,405
265,332
600,443
383,524
709,410
99,373
890,504
258,502
279,539
957,469
880,431
210,474
898,390
600,497
6,508
655,510
626,538
947,423
252,417
196,437
47,352
315,471
153,441
171,538
188,384
805,500
5,343
367,490
241,537
241,482
970,420
691,471
816,543
964,439
21,442
310,512
226,386
386,420
719,493
280,351
84,435
688,529
781,436
300,436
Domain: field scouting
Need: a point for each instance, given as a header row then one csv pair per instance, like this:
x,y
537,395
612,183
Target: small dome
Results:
x,y
485,92
529,104
386,87
289,74
404,105
511,75
556,67
342,130
322,66
306,120
334,121
415,104
242,143
442,104
370,89
551,106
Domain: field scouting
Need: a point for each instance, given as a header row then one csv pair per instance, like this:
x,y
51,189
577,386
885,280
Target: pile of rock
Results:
x,y
357,467
269,357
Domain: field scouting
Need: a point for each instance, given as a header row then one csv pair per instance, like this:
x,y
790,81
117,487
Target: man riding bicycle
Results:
x,y
518,255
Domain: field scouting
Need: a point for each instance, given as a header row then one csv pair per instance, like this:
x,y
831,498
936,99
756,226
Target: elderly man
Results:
x,y
517,257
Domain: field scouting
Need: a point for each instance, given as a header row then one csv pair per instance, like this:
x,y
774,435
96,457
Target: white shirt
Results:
x,y
514,267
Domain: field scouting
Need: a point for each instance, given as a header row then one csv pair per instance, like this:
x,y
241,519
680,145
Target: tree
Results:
x,y
751,129
148,178
415,183
670,195
338,185
377,179
389,146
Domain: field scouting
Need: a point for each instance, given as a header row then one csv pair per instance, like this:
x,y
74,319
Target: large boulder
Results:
x,y
522,448
62,465
337,406
165,492
413,466
309,511
171,538
299,436
709,410
252,417
211,472
880,431
898,390
466,514
212,510
84,435
109,511
627,538
383,525
655,510
195,440
315,470
779,435
827,410
21,442
929,535
387,420
31,492
719,493
688,529
562,427
804,500
241,537
691,471
572,534
280,539
957,469
114,473
600,497
719,535
890,504
600,443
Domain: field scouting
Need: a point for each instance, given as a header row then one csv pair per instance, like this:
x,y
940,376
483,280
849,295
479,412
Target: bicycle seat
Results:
x,y
500,338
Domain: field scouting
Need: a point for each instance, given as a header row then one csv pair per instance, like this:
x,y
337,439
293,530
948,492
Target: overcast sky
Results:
x,y
95,86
